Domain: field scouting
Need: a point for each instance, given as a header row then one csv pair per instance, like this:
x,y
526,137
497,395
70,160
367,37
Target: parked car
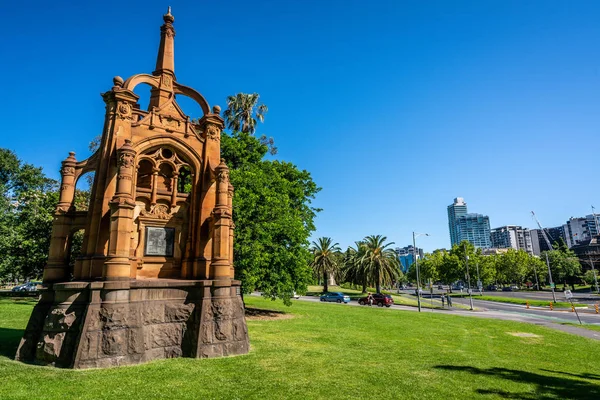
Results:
x,y
440,287
336,297
507,289
296,295
379,299
26,287
514,287
402,287
492,287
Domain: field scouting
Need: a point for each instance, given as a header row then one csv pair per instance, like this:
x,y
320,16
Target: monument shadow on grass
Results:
x,y
9,341
546,386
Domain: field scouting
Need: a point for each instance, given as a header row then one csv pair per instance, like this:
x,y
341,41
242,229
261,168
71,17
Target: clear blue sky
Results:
x,y
395,107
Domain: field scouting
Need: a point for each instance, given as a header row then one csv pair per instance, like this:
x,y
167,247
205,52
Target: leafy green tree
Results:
x,y
325,262
453,268
565,266
272,213
28,199
513,266
379,262
429,267
488,269
242,112
538,267
590,277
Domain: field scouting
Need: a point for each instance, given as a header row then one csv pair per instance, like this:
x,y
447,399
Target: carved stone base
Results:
x,y
104,324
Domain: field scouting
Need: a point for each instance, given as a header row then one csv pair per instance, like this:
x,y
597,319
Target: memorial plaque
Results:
x,y
159,241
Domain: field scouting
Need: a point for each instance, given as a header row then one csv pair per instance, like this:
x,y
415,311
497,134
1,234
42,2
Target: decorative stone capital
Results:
x,y
68,165
124,110
223,176
213,132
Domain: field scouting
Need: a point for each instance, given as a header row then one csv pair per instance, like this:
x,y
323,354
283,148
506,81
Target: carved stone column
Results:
x,y
67,184
174,183
222,218
117,264
231,228
57,268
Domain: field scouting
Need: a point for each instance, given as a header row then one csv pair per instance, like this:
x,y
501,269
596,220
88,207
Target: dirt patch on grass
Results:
x,y
524,334
259,314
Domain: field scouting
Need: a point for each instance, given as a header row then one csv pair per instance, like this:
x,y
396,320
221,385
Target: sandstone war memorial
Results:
x,y
156,277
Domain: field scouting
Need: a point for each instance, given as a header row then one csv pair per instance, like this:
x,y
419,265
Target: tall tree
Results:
x,y
273,216
27,202
242,112
565,266
379,262
325,261
352,271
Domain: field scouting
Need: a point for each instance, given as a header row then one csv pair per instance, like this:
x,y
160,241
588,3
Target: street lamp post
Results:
x,y
550,278
415,235
468,277
595,277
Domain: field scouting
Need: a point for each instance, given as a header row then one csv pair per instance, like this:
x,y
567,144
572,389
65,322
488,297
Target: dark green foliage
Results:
x,y
371,262
273,217
27,201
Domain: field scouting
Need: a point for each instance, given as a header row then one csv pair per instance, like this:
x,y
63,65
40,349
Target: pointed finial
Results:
x,y
168,17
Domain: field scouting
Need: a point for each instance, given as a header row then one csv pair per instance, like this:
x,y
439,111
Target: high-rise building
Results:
x,y
593,220
576,231
539,244
406,256
455,210
511,236
474,228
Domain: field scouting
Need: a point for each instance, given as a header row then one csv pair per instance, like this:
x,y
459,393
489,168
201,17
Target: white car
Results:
x,y
296,295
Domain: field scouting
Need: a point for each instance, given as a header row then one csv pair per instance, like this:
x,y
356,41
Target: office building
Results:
x,y
406,256
537,239
593,220
455,210
512,236
474,228
576,231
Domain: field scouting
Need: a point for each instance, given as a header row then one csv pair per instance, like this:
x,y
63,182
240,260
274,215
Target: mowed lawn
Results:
x,y
323,351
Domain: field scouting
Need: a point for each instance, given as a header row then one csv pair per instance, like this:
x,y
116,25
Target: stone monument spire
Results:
x,y
165,64
165,61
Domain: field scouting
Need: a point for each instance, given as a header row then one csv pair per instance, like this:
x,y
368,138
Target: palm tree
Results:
x,y
379,262
242,112
325,258
352,270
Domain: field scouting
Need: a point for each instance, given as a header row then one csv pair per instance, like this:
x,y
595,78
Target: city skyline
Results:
x,y
454,96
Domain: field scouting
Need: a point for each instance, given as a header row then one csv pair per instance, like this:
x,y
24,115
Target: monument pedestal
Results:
x,y
106,323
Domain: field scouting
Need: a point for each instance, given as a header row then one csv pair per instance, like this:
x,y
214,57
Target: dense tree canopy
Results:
x,y
27,202
273,216
512,266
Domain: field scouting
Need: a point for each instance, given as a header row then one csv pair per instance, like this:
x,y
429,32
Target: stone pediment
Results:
x,y
169,117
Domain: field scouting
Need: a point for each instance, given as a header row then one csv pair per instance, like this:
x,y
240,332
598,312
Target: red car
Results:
x,y
379,299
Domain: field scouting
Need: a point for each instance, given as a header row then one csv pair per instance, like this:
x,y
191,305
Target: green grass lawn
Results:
x,y
335,351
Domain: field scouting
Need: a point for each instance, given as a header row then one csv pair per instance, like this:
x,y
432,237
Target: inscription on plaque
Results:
x,y
159,241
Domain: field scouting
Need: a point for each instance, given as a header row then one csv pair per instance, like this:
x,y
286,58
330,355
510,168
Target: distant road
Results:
x,y
588,316
490,309
584,298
